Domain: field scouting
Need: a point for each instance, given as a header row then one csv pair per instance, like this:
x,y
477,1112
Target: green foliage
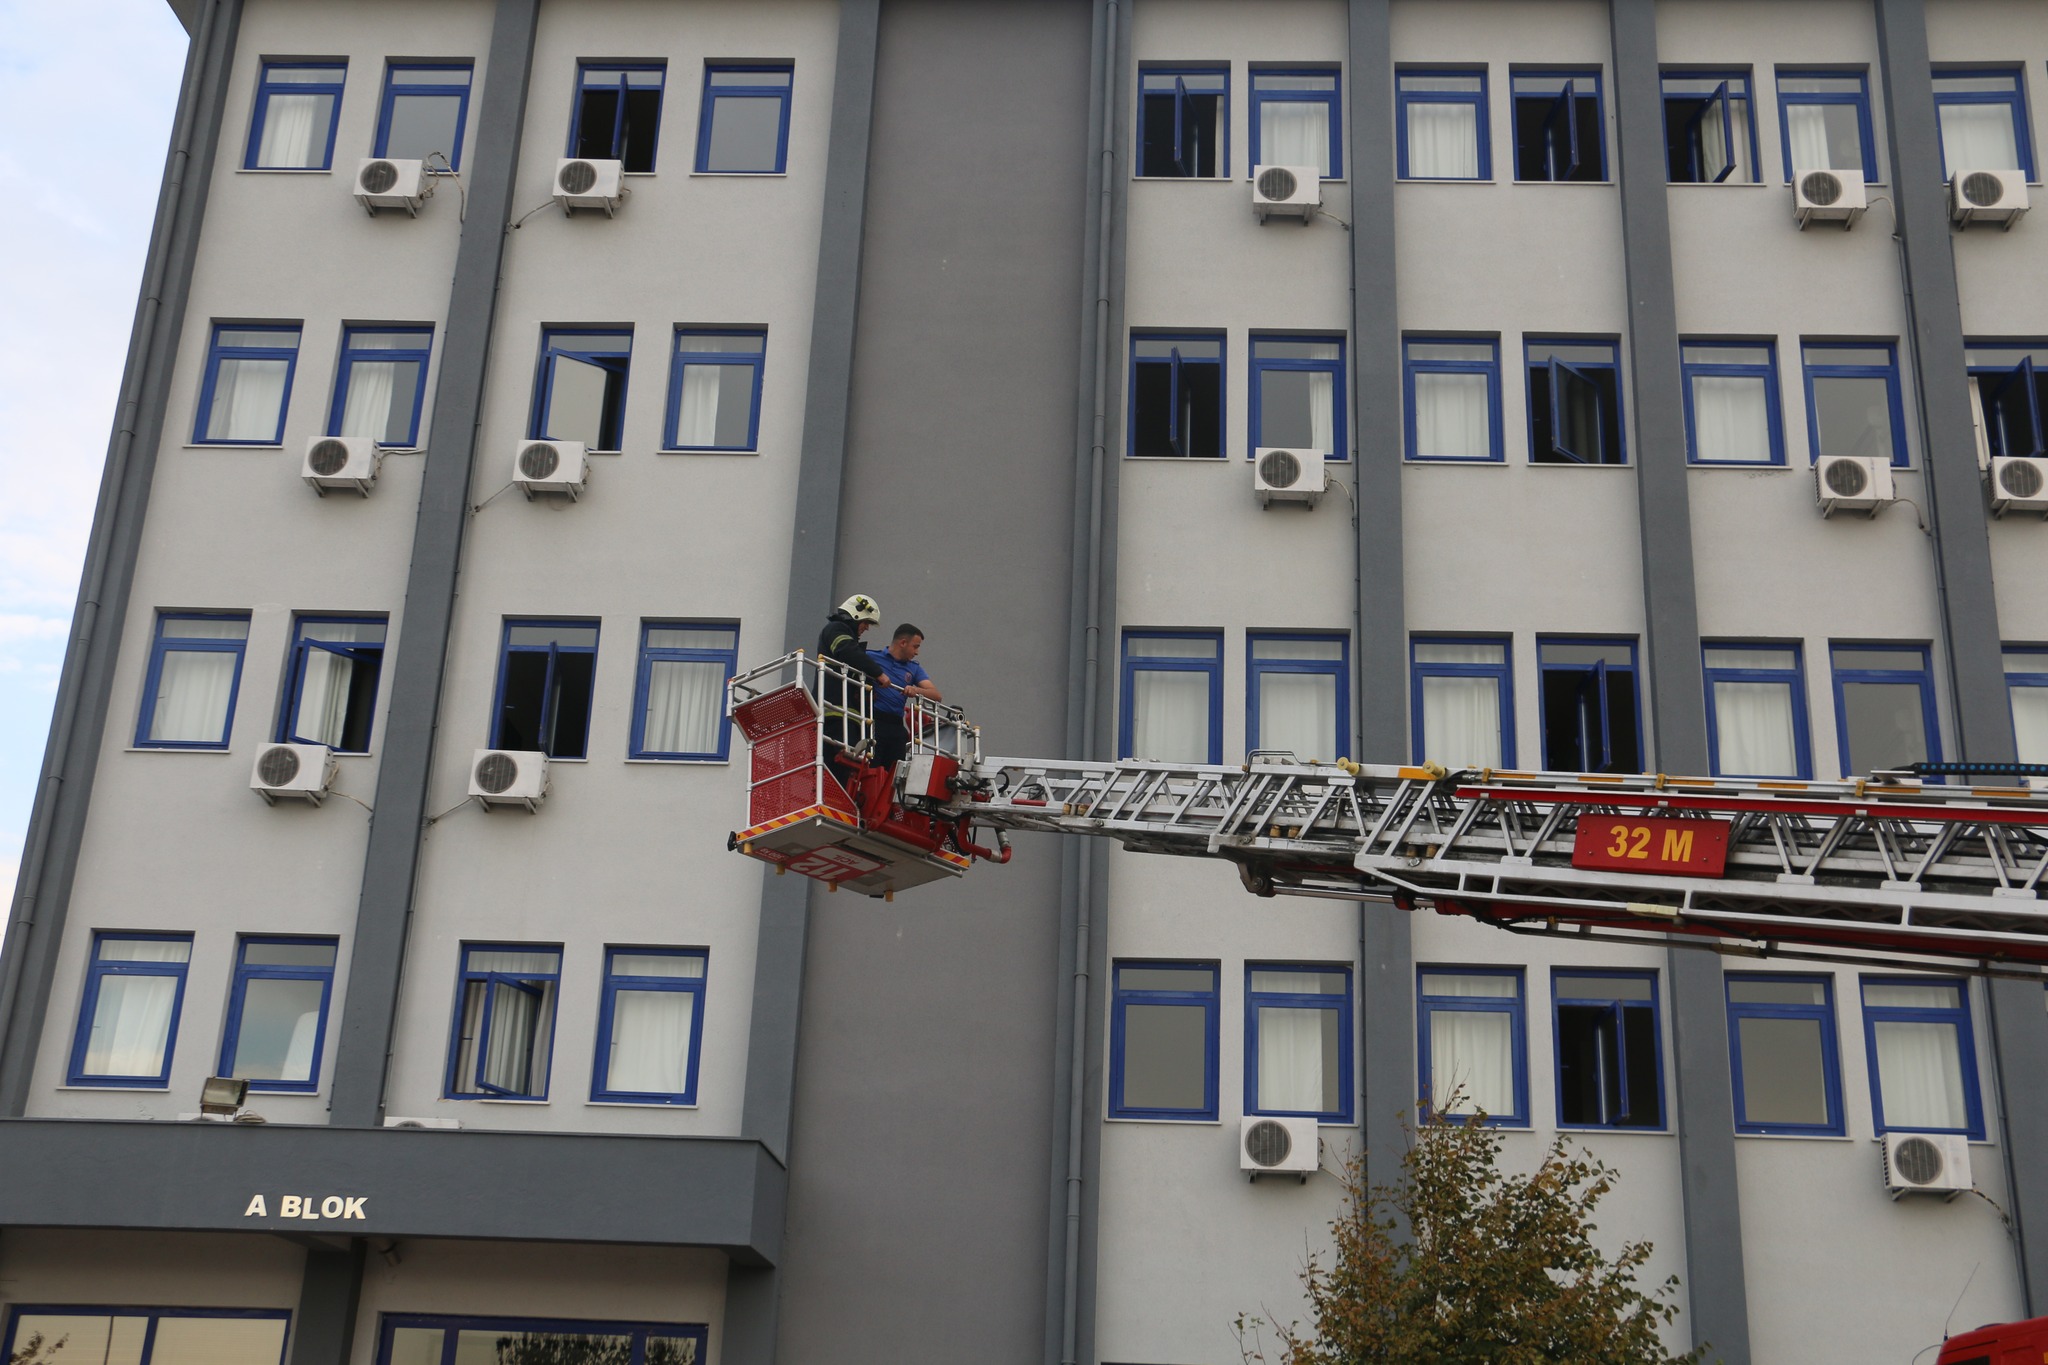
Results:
x,y
553,1348
35,1350
1497,1270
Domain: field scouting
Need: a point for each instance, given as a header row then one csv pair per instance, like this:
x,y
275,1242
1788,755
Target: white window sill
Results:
x,y
1572,464
678,762
1757,468
1586,184
629,1104
1794,1137
1586,1130
117,1089
168,749
492,1099
1448,180
1868,184
740,175
553,760
1219,460
608,454
1455,462
1325,180
1169,1123
284,170
688,451
1712,185
1184,179
234,445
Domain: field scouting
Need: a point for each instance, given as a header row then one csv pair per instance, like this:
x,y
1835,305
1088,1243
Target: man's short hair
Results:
x,y
905,631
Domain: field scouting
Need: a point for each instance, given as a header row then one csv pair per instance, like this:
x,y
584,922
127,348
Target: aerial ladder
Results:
x,y
1897,865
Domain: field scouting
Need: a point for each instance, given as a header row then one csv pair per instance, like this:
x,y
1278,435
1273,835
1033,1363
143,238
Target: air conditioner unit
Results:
x,y
551,467
1270,1146
1287,475
1987,197
2019,483
1828,197
1926,1163
1286,191
300,771
586,183
391,183
402,1121
341,462
508,777
1853,483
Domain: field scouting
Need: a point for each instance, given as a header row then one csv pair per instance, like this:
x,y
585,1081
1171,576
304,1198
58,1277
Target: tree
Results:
x,y
1497,1270
36,1350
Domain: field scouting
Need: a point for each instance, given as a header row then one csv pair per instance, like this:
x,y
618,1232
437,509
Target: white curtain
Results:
x,y
1298,712
298,1054
1730,418
2030,722
1978,137
1451,417
1461,721
697,416
131,1025
1443,141
1920,1074
1294,133
1714,151
367,411
248,400
1170,716
193,690
685,702
290,123
1753,722
1807,127
650,1053
1322,388
1472,1052
1291,1059
515,1026
325,683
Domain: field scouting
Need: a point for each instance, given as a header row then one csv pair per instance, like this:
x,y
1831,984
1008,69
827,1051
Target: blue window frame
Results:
x,y
743,126
1172,696
277,1013
1923,1055
679,692
1297,385
1575,401
1472,1029
424,112
1591,705
381,384
1756,710
618,113
1297,119
128,1018
2009,382
580,391
1853,405
426,1339
1298,694
330,695
1709,127
1610,1055
1983,117
1163,1040
1297,1041
1731,402
194,676
1560,125
1184,122
1451,397
1177,396
146,1335
1464,698
1884,707
1441,124
2026,687
292,128
545,674
714,389
248,384
1824,122
1784,1053
650,1026
504,1036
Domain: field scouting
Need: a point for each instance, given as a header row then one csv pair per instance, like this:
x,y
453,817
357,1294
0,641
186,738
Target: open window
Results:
x,y
1592,717
1558,126
1708,136
1608,1073
544,685
618,114
332,692
1183,123
1575,403
504,1022
2012,411
581,393
1177,397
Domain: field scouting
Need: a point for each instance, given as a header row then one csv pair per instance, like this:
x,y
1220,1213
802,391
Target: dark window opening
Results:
x,y
1590,710
618,116
1706,130
1607,1065
544,689
2013,402
1574,412
1181,123
1177,399
1557,128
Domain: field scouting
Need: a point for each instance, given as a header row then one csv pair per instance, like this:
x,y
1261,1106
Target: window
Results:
x,y
1559,131
1592,719
1162,1041
1852,401
1442,125
1609,1072
1781,1041
581,395
2026,684
544,684
714,400
293,129
1184,122
1709,128
1453,398
247,386
149,1336
1173,697
195,670
650,1026
679,696
618,113
2009,390
1575,402
1298,694
1177,396
1297,1041
504,1021
128,1020
1923,1060
1756,711
1464,702
1824,119
1296,122
1731,403
1474,1054
277,1013
1884,707
1298,393
744,126
426,106
381,384
417,1339
332,691
1983,115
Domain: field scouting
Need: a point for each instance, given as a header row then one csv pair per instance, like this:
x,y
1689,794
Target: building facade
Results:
x,y
968,306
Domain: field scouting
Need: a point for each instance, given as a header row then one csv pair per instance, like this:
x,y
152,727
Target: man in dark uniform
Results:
x,y
840,640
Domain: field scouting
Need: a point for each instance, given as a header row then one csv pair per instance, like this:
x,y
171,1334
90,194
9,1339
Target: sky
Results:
x,y
104,74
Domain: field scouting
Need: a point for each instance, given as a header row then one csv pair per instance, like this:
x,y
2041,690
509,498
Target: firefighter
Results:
x,y
840,640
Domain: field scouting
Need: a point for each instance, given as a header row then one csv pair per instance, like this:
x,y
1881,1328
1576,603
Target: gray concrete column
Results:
x,y
331,1286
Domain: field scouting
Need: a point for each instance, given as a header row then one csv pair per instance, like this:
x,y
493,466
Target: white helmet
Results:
x,y
861,607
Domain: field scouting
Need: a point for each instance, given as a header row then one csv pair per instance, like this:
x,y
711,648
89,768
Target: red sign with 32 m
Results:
x,y
1653,843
